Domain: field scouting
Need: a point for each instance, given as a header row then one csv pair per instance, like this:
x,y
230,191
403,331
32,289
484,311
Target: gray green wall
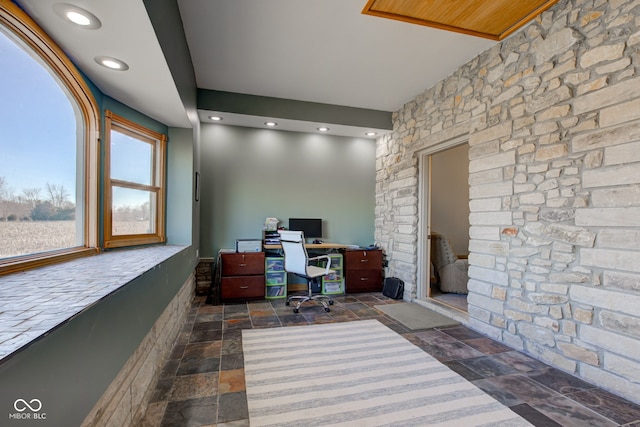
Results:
x,y
251,174
180,183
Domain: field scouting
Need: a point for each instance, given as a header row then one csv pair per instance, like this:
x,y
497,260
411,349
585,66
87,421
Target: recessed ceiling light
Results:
x,y
111,63
77,15
323,129
371,134
215,118
270,124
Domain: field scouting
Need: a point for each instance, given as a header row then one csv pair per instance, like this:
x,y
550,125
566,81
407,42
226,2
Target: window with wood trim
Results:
x,y
134,183
49,145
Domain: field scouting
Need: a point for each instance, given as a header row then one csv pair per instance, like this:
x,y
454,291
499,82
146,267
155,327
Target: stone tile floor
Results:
x,y
202,383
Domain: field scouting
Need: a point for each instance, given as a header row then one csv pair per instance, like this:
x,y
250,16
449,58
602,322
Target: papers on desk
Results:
x,y
271,224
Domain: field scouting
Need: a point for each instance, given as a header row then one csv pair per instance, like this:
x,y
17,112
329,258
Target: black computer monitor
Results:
x,y
311,227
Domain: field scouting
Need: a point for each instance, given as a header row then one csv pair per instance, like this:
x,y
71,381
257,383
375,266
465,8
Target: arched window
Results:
x,y
48,145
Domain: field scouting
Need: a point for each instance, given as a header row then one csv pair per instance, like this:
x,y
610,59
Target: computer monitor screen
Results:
x,y
311,227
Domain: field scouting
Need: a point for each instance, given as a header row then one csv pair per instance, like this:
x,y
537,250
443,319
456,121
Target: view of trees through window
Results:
x,y
134,183
39,142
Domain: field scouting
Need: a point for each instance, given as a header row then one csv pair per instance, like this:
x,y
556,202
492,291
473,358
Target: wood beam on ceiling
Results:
x,y
491,19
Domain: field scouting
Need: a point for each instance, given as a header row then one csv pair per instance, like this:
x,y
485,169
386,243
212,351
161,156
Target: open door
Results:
x,y
444,209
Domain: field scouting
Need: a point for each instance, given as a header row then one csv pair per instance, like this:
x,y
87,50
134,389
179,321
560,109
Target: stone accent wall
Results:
x,y
552,117
204,276
124,403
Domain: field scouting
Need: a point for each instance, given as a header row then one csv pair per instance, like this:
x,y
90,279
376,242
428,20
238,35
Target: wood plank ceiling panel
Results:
x,y
492,19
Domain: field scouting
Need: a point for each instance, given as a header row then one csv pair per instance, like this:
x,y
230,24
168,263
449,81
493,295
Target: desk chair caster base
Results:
x,y
324,300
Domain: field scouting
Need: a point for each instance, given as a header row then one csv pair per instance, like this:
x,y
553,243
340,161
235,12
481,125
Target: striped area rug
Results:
x,y
357,374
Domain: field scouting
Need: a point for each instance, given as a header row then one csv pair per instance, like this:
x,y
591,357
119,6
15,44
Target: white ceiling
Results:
x,y
322,51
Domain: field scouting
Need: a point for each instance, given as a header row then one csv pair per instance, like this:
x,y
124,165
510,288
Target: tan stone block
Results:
x,y
537,334
592,85
547,323
484,233
620,113
556,43
605,298
616,197
601,54
584,125
614,67
549,99
544,129
482,150
633,39
612,176
624,153
485,205
620,323
555,312
491,190
589,17
593,159
523,188
518,316
569,329
627,366
487,303
551,152
583,315
507,95
577,77
531,199
621,92
553,112
547,299
579,353
611,217
499,293
498,321
621,281
489,134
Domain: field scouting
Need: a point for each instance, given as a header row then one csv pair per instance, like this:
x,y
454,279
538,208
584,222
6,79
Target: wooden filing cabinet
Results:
x,y
242,276
363,270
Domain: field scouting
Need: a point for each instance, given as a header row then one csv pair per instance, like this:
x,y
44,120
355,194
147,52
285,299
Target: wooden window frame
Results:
x,y
157,186
20,25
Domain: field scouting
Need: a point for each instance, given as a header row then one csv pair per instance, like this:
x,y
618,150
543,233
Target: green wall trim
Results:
x,y
254,105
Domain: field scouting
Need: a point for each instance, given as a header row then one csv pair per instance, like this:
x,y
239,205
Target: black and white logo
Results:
x,y
28,410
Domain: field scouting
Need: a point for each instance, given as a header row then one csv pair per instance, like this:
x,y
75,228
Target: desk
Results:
x,y
333,284
311,246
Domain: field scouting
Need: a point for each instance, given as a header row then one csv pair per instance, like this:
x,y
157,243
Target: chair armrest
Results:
x,y
327,257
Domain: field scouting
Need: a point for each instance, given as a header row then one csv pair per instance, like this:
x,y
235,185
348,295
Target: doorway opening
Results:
x,y
444,218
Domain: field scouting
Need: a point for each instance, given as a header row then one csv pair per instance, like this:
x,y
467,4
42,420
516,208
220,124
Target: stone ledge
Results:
x,y
34,302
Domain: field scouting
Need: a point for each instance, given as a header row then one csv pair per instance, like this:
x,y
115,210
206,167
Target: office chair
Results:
x,y
296,261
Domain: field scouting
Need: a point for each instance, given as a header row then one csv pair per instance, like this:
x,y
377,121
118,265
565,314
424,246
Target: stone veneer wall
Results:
x,y
125,401
204,276
552,116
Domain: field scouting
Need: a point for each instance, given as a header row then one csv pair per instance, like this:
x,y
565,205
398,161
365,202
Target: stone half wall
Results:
x,y
552,117
125,401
